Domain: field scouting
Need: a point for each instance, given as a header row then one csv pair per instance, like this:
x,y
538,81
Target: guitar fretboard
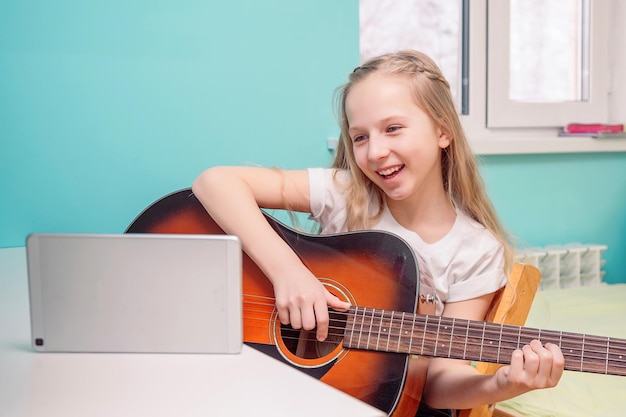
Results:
x,y
428,335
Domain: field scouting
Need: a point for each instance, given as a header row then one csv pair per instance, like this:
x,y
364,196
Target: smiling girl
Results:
x,y
402,165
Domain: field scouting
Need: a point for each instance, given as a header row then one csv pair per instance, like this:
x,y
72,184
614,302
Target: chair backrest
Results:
x,y
510,306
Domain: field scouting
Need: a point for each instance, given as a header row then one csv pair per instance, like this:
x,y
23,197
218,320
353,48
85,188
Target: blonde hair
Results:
x,y
461,178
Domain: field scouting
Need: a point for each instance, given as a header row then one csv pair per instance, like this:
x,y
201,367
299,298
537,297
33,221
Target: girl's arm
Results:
x,y
232,196
457,385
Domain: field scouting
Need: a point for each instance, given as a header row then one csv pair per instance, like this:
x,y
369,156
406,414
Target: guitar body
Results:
x,y
370,268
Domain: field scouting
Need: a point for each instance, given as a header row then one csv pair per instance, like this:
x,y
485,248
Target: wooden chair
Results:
x,y
510,306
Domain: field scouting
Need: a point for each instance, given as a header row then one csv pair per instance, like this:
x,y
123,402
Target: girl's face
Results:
x,y
395,143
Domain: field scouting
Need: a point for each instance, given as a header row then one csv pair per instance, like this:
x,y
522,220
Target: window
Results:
x,y
548,50
547,63
519,69
431,26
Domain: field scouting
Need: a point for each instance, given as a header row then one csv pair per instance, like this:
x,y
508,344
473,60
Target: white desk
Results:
x,y
113,385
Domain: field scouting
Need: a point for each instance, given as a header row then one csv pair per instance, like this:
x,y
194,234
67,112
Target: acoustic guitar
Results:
x,y
368,353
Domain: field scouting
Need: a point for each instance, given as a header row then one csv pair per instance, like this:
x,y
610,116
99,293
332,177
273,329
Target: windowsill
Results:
x,y
520,145
545,144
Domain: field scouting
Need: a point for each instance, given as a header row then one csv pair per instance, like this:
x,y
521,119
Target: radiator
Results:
x,y
566,266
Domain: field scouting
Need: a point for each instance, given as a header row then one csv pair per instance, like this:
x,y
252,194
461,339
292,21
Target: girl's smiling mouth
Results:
x,y
390,172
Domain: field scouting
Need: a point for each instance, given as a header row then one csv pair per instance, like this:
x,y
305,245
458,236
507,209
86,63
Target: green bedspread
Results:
x,y
597,310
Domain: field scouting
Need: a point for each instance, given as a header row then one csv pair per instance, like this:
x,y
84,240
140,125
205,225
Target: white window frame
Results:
x,y
505,140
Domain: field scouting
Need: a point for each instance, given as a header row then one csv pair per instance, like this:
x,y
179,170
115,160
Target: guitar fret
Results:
x,y
369,333
446,326
349,333
551,337
608,349
437,337
358,340
509,341
412,332
582,354
467,327
526,336
489,352
357,320
499,344
458,339
618,356
377,317
389,331
431,336
351,325
570,348
386,329
400,332
380,324
451,341
424,336
480,357
475,341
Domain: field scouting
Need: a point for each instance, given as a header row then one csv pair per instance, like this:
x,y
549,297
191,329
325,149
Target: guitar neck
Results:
x,y
427,335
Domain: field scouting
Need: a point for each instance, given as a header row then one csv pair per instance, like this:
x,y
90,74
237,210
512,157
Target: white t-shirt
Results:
x,y
466,263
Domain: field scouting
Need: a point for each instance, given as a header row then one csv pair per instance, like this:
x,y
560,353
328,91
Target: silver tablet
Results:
x,y
148,293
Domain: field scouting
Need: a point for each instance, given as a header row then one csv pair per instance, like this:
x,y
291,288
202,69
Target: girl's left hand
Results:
x,y
532,367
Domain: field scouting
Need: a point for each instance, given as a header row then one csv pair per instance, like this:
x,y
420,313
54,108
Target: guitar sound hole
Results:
x,y
303,343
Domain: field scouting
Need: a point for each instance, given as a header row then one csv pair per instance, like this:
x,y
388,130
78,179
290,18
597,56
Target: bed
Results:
x,y
596,310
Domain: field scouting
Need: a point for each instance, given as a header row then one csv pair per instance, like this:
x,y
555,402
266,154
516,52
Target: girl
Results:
x,y
403,165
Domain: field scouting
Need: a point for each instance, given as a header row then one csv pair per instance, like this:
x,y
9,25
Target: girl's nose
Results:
x,y
377,148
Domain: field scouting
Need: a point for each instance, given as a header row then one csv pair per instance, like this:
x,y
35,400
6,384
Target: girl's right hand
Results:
x,y
303,303
232,196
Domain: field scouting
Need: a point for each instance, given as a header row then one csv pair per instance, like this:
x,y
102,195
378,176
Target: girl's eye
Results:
x,y
358,138
392,129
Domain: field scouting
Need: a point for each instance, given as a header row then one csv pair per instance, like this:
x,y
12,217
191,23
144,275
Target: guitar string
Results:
x,y
495,328
573,358
617,365
601,342
516,334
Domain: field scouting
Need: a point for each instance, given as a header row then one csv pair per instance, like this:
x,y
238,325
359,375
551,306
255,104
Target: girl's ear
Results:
x,y
444,139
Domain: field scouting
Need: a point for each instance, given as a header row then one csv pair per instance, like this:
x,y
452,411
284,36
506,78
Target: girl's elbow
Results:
x,y
196,185
203,181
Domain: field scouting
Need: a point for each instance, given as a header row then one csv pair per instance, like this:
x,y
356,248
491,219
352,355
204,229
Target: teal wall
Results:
x,y
107,105
563,198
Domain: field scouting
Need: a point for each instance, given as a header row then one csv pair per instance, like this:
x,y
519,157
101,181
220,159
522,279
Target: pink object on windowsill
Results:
x,y
593,128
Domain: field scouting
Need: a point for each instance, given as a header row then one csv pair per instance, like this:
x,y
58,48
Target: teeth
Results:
x,y
389,171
